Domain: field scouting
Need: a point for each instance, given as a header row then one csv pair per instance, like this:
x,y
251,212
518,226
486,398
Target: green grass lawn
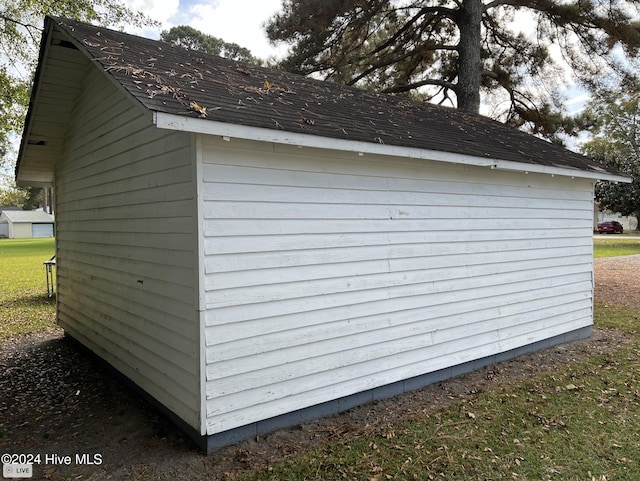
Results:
x,y
580,421
24,305
616,246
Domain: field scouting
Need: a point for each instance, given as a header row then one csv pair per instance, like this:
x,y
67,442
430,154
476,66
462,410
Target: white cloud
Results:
x,y
160,11
236,21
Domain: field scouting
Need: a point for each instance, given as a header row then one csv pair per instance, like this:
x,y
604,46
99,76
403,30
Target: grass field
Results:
x,y
24,305
616,246
578,422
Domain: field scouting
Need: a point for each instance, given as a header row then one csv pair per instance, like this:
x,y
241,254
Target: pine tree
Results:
x,y
455,51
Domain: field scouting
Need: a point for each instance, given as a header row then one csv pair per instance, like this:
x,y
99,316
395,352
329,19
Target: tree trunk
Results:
x,y
469,61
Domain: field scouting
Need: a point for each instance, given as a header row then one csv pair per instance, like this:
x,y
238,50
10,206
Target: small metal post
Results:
x,y
48,267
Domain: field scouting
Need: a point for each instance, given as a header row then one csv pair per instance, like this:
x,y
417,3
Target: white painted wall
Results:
x,y
126,249
329,274
20,230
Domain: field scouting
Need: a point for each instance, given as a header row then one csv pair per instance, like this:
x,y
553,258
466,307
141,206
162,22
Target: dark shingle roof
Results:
x,y
188,83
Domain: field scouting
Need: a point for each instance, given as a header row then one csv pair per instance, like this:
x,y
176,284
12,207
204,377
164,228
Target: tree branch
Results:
x,y
514,3
394,60
422,83
446,12
27,26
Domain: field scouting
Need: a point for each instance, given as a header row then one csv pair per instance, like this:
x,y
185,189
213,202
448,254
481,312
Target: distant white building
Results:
x,y
628,222
4,225
17,224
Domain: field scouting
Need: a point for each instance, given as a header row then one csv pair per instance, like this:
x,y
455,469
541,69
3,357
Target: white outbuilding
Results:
x,y
23,224
253,248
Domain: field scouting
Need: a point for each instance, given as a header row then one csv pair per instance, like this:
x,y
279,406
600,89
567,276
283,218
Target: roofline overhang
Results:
x,y
45,43
211,127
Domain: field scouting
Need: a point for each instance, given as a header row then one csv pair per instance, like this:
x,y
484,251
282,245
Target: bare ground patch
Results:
x,y
56,401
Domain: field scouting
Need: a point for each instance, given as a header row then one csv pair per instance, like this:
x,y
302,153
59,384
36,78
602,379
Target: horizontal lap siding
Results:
x,y
126,232
326,277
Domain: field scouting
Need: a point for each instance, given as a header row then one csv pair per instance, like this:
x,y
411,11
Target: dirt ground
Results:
x,y
55,401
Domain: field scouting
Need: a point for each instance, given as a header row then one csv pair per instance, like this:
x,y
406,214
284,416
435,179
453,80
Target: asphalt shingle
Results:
x,y
174,80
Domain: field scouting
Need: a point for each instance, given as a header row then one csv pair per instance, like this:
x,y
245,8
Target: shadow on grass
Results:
x,y
34,300
27,313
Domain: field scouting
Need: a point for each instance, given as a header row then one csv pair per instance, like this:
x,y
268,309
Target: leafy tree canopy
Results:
x,y
189,37
11,196
615,125
20,33
452,51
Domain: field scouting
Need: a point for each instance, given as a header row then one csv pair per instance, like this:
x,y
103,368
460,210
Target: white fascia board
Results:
x,y
561,171
223,129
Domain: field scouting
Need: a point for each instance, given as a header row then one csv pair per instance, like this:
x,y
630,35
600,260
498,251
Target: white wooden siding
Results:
x,y
127,262
328,275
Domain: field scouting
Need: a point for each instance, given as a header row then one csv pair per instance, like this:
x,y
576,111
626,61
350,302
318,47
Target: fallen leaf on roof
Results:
x,y
198,108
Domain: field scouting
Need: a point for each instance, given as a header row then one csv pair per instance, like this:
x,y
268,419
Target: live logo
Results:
x,y
17,470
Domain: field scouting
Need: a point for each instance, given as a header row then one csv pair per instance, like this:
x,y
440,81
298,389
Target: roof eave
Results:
x,y
41,175
210,127
562,171
20,180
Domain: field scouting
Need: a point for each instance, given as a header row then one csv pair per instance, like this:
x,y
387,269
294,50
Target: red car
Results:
x,y
610,227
